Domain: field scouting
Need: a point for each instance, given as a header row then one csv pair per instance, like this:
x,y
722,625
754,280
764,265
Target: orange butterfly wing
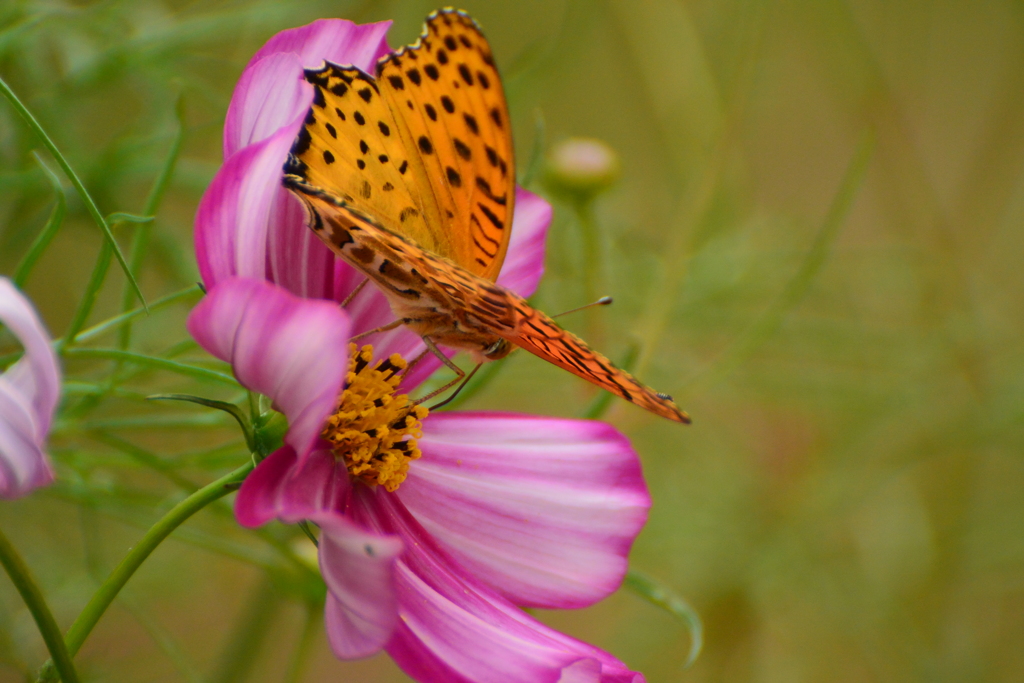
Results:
x,y
425,147
541,336
450,105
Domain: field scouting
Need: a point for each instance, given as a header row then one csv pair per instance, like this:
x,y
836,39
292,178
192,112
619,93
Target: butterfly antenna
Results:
x,y
603,301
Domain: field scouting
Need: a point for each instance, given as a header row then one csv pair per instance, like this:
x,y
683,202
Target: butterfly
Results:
x,y
409,176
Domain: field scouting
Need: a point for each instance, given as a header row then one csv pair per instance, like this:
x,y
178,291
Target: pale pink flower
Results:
x,y
29,392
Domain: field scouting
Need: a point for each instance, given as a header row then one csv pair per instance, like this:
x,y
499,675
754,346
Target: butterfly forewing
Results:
x,y
350,147
447,96
541,336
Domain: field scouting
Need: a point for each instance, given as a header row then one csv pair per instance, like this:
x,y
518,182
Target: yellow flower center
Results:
x,y
372,429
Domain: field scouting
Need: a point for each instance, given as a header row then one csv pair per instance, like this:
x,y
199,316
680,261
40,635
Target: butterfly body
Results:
x,y
431,296
409,177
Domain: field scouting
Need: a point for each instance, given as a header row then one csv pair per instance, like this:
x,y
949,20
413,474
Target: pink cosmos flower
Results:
x,y
448,522
29,391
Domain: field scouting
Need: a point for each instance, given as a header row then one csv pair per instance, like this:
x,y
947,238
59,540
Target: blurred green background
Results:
x,y
815,245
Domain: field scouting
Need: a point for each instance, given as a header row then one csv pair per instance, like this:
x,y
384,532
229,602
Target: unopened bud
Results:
x,y
582,167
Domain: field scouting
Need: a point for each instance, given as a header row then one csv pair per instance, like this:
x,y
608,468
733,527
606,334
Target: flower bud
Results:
x,y
581,167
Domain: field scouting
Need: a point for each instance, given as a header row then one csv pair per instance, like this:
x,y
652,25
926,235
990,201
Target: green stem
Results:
x,y
141,238
22,579
154,363
92,290
593,266
87,199
118,320
177,515
49,231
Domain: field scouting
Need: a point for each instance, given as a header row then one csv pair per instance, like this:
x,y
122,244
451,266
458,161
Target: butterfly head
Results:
x,y
498,350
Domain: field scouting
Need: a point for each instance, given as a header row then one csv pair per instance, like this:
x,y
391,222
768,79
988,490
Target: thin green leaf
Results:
x,y
300,657
154,363
308,530
146,458
229,408
248,634
92,290
49,231
140,240
119,320
162,637
656,594
149,422
122,217
87,199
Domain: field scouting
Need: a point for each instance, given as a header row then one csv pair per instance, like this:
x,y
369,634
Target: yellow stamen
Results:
x,y
374,430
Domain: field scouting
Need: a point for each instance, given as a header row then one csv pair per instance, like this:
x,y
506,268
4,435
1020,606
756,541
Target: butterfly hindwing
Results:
x,y
541,336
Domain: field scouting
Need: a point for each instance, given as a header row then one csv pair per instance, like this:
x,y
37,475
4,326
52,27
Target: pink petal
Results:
x,y
296,259
24,465
334,40
524,262
292,350
29,392
455,629
358,568
357,565
542,510
232,220
282,487
272,84
271,93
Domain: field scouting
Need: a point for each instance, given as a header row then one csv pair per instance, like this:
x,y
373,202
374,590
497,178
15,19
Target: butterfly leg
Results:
x,y
414,362
458,389
448,362
354,292
383,328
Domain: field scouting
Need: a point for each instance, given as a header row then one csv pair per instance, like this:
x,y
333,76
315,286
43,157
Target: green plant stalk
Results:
x,y
113,323
174,518
154,363
593,267
49,231
87,199
92,290
120,320
22,579
140,241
